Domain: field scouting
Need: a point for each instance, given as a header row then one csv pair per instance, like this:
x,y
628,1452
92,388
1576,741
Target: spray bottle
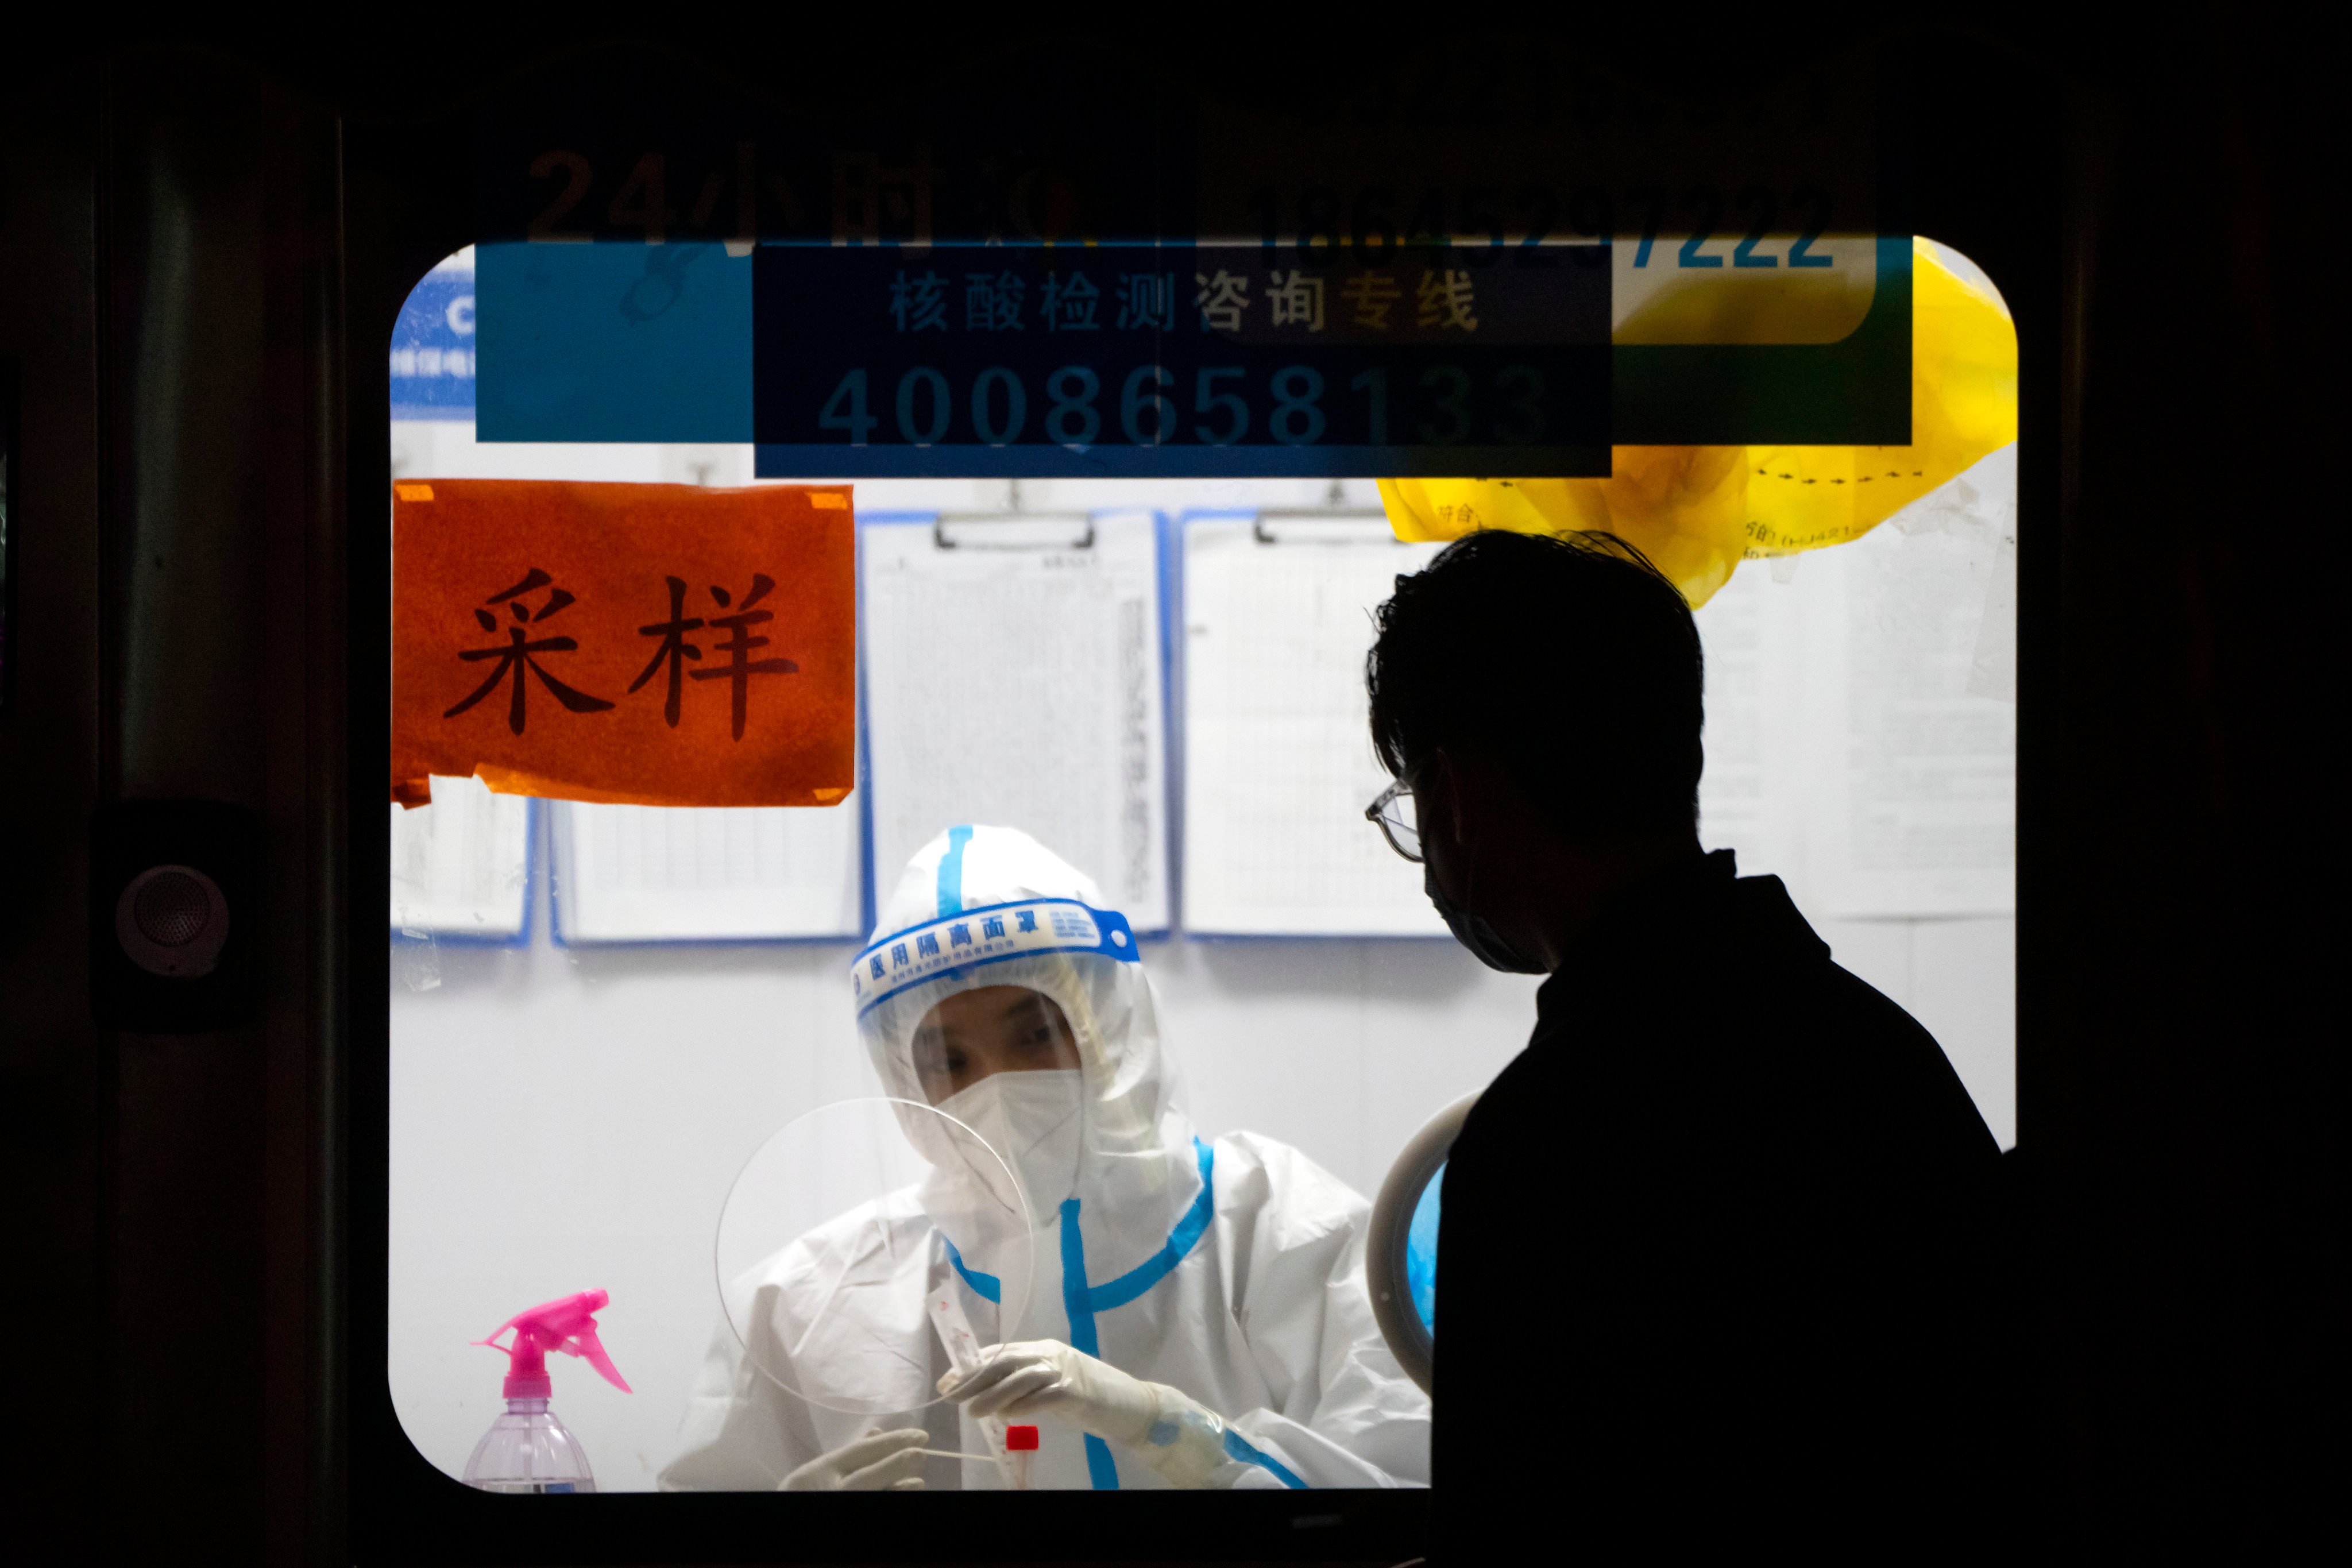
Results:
x,y
527,1449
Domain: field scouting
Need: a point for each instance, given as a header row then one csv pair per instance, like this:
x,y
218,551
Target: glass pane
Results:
x,y
1105,896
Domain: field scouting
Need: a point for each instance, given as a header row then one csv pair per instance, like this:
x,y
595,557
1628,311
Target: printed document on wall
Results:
x,y
461,866
1278,765
1913,809
1735,805
646,873
1012,676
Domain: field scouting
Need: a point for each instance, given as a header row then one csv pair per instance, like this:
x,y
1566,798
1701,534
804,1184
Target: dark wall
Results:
x,y
2182,1138
172,295
58,1068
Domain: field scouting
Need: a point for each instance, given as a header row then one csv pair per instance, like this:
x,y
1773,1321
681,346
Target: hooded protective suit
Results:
x,y
1231,1271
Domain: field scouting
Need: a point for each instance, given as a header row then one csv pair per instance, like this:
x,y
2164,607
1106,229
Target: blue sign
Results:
x,y
1284,357
433,349
616,342
1215,360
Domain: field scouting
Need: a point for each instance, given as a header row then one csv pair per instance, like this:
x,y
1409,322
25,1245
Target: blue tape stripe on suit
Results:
x,y
1100,1467
1082,1303
987,1286
952,871
1240,1447
1118,1292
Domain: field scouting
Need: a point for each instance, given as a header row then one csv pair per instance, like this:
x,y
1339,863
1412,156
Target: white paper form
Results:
x,y
647,873
1278,762
461,866
1013,677
1911,808
1735,810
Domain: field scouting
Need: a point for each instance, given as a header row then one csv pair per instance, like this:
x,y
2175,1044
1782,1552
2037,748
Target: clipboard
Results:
x,y
1012,673
1277,764
467,874
635,874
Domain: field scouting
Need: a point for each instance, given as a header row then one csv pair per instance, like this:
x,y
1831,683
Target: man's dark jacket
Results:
x,y
1715,1252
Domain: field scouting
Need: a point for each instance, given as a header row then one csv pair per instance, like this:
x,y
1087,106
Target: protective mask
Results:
x,y
1032,1120
1472,932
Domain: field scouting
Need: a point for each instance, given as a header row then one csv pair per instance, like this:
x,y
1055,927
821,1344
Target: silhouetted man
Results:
x,y
1712,1251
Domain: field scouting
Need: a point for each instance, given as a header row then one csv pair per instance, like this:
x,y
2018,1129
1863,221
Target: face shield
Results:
x,y
830,1272
988,915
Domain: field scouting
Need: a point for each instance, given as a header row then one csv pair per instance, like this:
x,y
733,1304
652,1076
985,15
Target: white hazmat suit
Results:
x,y
1225,1278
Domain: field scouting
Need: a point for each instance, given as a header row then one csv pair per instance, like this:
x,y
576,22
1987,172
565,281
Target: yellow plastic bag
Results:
x,y
1698,511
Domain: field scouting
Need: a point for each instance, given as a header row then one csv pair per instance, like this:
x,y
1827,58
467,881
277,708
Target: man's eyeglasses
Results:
x,y
1393,813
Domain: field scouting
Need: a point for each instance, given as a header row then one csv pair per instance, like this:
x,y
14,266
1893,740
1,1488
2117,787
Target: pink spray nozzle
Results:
x,y
568,1325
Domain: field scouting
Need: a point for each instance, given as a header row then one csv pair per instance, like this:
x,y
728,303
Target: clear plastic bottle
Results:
x,y
529,1450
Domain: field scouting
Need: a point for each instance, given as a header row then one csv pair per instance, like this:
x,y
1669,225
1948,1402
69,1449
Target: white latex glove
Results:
x,y
1169,1430
878,1462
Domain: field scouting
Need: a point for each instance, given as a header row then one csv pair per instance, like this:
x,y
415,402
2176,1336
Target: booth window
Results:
x,y
599,1011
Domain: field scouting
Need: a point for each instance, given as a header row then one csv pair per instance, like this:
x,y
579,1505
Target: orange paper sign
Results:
x,y
658,644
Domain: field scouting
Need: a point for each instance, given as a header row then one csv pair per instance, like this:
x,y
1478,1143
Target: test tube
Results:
x,y
1020,1442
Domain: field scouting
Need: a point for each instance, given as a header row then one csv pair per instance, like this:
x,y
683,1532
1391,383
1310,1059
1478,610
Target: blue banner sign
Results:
x,y
1740,264
1286,356
1214,359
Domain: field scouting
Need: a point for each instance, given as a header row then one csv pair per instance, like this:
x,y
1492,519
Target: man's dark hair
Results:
x,y
1572,659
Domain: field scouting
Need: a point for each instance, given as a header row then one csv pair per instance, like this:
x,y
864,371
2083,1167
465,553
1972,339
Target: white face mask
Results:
x,y
1033,1120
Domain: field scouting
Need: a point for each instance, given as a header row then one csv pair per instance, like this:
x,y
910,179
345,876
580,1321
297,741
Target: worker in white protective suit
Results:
x,y
1195,1314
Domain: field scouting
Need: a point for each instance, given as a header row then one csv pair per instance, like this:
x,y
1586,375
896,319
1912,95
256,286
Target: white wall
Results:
x,y
570,1119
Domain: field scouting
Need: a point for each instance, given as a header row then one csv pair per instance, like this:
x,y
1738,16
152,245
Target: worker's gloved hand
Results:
x,y
878,1462
1166,1428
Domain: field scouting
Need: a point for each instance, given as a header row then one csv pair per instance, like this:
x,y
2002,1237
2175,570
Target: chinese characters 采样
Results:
x,y
519,653
533,646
